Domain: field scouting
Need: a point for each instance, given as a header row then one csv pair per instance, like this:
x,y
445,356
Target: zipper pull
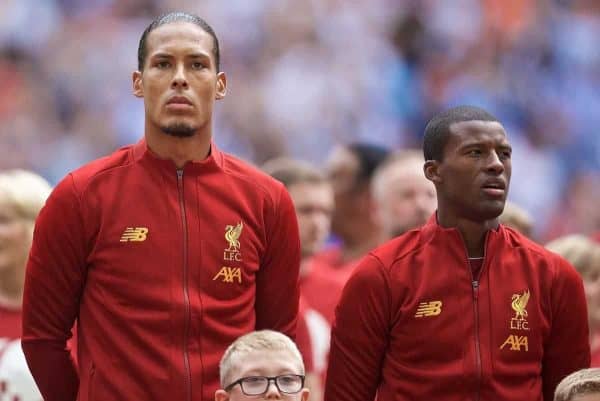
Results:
x,y
475,285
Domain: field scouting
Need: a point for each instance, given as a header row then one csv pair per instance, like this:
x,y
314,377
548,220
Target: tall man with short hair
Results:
x,y
463,308
163,252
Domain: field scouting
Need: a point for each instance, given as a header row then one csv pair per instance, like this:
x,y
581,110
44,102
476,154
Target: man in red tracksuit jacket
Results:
x,y
163,252
463,308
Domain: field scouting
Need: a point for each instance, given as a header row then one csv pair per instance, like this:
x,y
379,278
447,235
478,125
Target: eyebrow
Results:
x,y
193,55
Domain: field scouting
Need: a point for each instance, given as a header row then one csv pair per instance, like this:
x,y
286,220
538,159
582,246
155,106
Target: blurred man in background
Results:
x,y
22,195
163,252
404,198
312,195
355,223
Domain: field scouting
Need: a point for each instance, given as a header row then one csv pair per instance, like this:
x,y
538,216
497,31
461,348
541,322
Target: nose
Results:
x,y
495,164
179,79
272,391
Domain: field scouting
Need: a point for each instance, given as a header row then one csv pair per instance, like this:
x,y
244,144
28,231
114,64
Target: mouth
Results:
x,y
494,188
179,102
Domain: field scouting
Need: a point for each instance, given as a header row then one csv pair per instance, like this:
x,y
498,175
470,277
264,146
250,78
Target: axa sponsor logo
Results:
x,y
229,275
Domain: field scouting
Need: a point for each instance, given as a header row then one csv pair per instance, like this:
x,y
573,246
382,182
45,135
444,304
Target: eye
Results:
x,y
505,154
196,65
163,64
474,152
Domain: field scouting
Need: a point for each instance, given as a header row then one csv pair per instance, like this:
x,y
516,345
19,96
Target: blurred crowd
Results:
x,y
307,75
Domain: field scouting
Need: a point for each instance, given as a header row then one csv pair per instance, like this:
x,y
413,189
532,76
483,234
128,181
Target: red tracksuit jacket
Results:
x,y
162,269
413,325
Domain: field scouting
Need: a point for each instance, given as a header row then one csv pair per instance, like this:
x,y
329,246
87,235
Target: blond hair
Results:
x,y
516,217
291,171
580,251
24,191
582,382
262,340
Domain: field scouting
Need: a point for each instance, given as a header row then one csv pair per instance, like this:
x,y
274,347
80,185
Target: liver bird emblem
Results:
x,y
519,303
232,235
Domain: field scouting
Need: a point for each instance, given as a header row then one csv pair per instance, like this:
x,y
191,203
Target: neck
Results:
x,y
11,287
179,150
473,232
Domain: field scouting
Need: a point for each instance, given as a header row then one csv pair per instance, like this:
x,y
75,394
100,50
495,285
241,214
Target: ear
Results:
x,y
138,87
221,85
304,394
431,168
221,395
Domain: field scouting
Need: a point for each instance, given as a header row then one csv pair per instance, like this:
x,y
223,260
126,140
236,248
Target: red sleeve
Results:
x,y
53,285
360,335
277,289
568,348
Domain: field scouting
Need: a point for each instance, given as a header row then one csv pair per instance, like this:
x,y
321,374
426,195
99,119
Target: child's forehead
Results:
x,y
267,362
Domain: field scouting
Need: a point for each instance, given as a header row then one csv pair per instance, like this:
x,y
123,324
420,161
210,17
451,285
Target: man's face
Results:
x,y
342,169
473,178
179,82
405,199
314,207
269,363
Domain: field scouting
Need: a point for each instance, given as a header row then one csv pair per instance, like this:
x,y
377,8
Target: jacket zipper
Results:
x,y
475,285
186,295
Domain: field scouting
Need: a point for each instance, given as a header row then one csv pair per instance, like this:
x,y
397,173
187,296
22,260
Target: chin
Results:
x,y
179,129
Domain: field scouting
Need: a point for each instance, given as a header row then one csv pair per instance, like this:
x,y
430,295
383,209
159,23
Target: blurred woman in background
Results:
x,y
22,195
584,255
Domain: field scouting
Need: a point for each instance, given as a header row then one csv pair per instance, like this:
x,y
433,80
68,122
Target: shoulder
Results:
x,y
84,175
537,254
391,254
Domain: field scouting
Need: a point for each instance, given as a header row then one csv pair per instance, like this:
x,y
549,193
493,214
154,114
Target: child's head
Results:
x,y
583,385
254,358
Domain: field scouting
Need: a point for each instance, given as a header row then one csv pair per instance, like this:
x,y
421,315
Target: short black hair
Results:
x,y
438,128
172,17
369,157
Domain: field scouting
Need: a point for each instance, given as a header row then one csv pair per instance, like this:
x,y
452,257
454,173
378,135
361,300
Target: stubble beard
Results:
x,y
179,130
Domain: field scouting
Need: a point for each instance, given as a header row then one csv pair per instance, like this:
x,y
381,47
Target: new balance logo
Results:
x,y
228,274
432,308
136,234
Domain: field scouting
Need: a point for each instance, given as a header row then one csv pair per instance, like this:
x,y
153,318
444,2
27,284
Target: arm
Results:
x,y
568,348
360,335
277,290
53,285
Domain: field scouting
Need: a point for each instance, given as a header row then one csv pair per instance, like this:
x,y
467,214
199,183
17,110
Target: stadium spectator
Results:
x,y
584,255
312,195
404,198
22,195
354,222
165,251
518,218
